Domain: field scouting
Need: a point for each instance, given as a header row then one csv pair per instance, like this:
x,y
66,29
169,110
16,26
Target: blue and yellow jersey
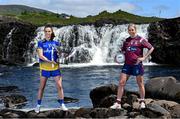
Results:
x,y
50,52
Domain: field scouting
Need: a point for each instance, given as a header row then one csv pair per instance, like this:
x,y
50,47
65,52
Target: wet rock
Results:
x,y
133,114
80,113
132,98
50,114
105,113
6,113
14,100
136,105
167,88
127,107
165,104
107,101
83,112
155,111
105,96
99,93
70,100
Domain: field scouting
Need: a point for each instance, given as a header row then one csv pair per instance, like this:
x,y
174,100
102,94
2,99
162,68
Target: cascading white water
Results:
x,y
7,44
94,45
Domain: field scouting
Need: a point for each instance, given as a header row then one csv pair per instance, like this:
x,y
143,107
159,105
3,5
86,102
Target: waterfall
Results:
x,y
94,45
7,44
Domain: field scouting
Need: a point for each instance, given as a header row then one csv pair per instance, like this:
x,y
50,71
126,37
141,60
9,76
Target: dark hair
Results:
x,y
52,35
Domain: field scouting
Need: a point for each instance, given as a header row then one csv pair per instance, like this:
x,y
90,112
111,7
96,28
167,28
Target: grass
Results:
x,y
42,18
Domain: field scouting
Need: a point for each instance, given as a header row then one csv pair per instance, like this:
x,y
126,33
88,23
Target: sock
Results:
x,y
39,102
61,101
142,100
118,101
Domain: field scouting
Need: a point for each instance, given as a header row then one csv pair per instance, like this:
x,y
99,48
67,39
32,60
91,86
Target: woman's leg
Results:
x,y
122,81
140,82
58,80
42,85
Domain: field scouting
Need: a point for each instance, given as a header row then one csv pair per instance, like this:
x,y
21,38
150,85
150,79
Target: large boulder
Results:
x,y
98,94
165,37
163,88
105,96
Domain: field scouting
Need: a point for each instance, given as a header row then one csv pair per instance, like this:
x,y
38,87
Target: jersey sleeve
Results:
x,y
146,44
58,43
40,45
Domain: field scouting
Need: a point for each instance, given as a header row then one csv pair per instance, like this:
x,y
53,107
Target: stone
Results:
x,y
100,93
155,111
164,36
15,38
175,111
14,100
167,88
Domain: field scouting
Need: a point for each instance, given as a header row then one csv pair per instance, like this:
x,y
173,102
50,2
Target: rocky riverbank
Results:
x,y
158,105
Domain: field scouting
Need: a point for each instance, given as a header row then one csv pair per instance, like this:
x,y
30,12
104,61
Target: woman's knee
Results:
x,y
140,83
41,88
59,85
123,79
122,82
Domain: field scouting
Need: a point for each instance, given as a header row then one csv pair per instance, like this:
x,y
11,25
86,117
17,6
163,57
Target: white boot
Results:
x,y
63,107
142,105
37,109
116,106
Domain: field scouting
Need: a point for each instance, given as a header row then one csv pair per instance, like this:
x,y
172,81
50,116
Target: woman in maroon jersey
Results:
x,y
133,51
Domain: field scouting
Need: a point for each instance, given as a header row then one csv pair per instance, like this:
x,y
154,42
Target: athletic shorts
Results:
x,y
48,74
134,70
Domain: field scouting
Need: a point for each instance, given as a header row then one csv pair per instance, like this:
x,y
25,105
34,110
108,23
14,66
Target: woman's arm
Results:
x,y
145,56
148,53
42,57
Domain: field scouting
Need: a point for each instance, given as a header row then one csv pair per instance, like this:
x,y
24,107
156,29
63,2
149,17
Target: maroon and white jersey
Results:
x,y
133,48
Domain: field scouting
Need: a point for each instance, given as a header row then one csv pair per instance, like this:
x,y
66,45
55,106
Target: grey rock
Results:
x,y
155,111
14,100
7,113
167,88
99,93
175,111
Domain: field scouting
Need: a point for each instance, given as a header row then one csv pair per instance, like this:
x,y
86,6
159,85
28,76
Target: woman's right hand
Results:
x,y
53,62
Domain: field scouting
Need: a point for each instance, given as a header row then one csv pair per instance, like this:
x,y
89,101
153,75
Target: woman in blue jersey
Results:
x,y
48,56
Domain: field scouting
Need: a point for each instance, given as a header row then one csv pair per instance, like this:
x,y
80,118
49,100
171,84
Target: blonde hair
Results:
x,y
132,25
